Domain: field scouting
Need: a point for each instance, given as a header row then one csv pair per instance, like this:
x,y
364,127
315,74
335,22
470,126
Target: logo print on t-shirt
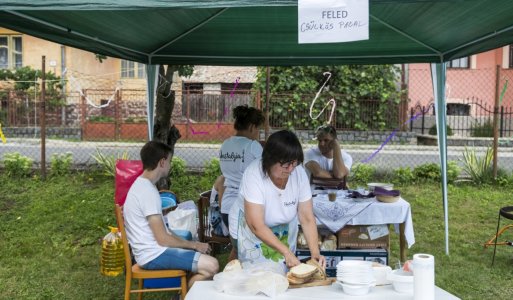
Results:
x,y
231,156
293,202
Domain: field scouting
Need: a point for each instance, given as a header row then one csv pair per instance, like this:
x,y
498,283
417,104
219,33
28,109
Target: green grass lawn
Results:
x,y
50,232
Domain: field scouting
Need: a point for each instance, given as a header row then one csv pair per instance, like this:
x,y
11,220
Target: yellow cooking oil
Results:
x,y
112,258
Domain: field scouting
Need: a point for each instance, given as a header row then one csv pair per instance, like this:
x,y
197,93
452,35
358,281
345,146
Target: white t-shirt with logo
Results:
x,y
235,156
280,206
142,200
314,154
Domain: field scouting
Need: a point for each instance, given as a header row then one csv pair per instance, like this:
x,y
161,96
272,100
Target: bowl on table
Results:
x,y
401,281
386,186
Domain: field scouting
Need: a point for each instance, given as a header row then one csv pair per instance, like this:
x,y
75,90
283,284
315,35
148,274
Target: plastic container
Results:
x,y
112,259
401,281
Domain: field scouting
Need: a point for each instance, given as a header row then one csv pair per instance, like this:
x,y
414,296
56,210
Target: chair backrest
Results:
x,y
121,226
204,229
329,183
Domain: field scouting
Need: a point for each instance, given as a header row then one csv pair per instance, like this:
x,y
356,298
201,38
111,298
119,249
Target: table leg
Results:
x,y
402,242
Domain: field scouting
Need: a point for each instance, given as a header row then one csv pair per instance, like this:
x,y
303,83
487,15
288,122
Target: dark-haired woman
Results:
x,y
237,153
275,198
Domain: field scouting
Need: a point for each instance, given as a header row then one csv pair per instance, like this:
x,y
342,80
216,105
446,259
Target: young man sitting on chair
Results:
x,y
153,246
327,160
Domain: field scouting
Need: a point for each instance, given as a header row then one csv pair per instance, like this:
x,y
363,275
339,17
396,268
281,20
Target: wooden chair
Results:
x,y
136,272
330,183
205,234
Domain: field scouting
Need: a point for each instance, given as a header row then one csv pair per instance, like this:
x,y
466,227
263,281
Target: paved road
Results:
x,y
197,155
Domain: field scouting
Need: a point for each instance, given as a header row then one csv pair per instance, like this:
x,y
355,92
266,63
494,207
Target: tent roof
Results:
x,y
260,32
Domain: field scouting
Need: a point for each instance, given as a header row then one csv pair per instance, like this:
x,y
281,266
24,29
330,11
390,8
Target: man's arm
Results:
x,y
165,239
339,168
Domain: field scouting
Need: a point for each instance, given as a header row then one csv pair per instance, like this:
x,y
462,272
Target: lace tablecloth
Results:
x,y
347,211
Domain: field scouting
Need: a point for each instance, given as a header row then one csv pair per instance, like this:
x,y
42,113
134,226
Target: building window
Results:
x,y
10,52
462,63
130,69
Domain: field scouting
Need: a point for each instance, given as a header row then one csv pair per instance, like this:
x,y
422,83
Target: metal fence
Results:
x,y
113,121
469,118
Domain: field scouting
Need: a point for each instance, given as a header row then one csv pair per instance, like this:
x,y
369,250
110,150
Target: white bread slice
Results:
x,y
303,271
233,266
295,280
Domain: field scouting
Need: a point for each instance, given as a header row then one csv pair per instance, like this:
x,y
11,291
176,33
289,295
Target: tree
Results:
x,y
164,130
349,85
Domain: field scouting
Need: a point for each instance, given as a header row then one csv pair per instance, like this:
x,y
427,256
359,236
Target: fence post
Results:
x,y
411,117
403,107
423,117
43,118
83,124
188,113
501,130
496,120
117,125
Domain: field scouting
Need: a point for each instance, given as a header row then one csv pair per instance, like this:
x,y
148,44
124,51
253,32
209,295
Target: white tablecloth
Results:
x,y
202,290
372,212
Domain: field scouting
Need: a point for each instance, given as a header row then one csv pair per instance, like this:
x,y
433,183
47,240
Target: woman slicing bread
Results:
x,y
274,195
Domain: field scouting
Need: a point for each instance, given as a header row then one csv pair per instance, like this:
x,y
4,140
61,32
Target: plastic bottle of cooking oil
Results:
x,y
113,258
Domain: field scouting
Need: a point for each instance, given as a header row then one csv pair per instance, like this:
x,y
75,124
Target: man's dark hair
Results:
x,y
152,153
326,129
281,147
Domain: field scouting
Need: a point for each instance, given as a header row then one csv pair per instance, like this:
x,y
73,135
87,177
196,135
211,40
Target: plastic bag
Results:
x,y
267,278
127,172
184,217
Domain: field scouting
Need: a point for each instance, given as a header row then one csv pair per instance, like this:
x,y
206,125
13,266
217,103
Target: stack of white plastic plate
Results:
x,y
355,276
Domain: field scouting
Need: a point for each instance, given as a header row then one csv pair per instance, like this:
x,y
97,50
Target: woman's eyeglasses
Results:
x,y
288,164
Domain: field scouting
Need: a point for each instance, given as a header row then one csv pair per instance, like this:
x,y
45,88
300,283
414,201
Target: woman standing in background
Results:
x,y
236,154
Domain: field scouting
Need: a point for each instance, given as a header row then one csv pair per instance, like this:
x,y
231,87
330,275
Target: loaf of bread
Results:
x,y
321,272
303,271
232,266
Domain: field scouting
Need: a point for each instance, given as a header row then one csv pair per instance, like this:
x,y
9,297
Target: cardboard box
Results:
x,y
334,257
363,236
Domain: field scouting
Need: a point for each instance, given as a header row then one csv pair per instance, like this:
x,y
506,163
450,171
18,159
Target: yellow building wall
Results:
x,y
84,70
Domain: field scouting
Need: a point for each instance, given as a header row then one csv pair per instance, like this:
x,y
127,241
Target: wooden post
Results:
x,y
117,115
403,107
43,118
496,121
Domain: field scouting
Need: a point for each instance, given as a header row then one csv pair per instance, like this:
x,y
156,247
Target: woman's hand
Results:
x,y
291,260
320,259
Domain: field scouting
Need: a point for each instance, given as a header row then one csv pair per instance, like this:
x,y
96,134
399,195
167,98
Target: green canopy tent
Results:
x,y
264,32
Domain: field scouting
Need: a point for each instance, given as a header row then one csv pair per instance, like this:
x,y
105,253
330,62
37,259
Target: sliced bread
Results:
x,y
295,280
321,272
303,271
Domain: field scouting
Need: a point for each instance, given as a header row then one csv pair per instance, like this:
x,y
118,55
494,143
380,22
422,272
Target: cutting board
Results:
x,y
328,281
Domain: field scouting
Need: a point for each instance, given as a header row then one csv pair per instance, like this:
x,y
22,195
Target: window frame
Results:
x,y
132,70
451,64
12,52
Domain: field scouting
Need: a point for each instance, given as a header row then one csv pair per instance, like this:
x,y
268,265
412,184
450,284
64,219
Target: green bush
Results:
x,y
60,164
178,167
431,172
362,173
403,175
482,130
101,119
17,165
432,130
212,171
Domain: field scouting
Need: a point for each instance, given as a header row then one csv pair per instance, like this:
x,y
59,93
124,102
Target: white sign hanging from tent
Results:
x,y
332,21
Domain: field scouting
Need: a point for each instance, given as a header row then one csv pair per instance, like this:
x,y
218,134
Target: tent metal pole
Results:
x,y
438,75
151,88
